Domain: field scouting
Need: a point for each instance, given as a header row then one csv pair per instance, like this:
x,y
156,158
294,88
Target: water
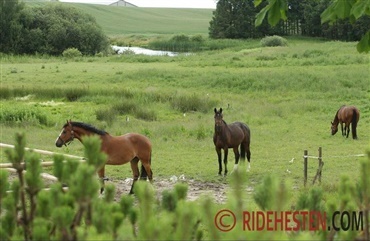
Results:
x,y
138,50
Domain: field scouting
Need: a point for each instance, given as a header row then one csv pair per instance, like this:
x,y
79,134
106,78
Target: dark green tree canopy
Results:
x,y
257,18
53,28
235,19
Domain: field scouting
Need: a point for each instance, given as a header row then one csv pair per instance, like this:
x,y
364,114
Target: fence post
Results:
x,y
305,158
320,163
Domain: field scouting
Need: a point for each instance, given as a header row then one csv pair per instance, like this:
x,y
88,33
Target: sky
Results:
x,y
158,3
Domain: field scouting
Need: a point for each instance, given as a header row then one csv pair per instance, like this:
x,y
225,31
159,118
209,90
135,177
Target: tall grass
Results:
x,y
22,115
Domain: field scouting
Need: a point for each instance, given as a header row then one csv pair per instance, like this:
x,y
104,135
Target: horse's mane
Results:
x,y
87,127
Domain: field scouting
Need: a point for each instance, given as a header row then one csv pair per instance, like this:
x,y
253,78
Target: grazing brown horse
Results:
x,y
231,136
347,115
130,147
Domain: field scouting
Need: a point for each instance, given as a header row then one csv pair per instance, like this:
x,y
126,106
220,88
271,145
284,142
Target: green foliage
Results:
x,y
353,10
71,53
78,214
22,115
108,115
54,28
237,23
10,27
131,106
272,41
179,43
275,9
187,103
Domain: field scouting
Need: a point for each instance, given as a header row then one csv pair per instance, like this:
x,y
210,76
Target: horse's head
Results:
x,y
66,135
219,122
334,128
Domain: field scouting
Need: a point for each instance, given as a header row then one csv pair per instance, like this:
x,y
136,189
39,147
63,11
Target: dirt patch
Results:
x,y
196,189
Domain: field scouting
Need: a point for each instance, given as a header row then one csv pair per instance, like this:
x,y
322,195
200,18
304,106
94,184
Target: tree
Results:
x,y
49,29
10,28
337,10
56,27
235,19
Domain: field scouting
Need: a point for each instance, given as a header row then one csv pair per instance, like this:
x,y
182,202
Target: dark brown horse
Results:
x,y
231,136
347,115
130,147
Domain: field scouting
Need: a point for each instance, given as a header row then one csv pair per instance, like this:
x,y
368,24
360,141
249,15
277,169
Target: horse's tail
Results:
x,y
143,172
242,151
247,132
354,124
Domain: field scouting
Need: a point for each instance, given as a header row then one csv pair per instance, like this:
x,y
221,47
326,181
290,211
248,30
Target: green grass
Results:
x,y
287,95
151,21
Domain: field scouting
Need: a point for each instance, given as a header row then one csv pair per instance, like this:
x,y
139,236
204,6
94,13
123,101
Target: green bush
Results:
x,y
272,41
179,43
71,53
23,115
53,28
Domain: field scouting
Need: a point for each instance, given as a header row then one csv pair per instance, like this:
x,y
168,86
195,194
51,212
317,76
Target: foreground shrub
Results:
x,y
272,41
30,213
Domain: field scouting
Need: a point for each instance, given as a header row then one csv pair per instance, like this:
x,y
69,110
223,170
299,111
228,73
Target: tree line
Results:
x,y
235,19
49,29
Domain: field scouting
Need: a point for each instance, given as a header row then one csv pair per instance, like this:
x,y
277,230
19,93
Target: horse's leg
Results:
x,y
226,150
237,156
135,171
247,148
101,174
218,150
347,127
341,126
143,173
147,169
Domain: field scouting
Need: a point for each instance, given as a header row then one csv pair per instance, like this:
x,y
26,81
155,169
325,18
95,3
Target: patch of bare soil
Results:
x,y
196,188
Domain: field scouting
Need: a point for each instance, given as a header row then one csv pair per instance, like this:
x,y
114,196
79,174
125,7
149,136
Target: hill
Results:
x,y
121,20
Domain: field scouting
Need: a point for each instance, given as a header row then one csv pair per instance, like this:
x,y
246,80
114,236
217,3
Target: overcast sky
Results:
x,y
158,3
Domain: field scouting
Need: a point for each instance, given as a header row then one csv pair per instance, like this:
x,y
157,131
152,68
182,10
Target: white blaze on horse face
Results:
x,y
58,136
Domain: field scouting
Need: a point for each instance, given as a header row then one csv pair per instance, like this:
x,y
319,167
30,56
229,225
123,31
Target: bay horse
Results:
x,y
231,136
347,115
130,147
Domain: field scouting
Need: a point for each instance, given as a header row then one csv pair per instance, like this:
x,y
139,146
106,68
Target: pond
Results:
x,y
138,50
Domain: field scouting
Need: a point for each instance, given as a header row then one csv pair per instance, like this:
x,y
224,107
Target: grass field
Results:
x,y
146,21
287,95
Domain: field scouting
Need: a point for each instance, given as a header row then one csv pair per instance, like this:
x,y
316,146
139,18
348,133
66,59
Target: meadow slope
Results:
x,y
145,21
287,95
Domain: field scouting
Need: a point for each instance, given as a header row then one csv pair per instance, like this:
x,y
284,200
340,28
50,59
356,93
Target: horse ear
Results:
x,y
215,110
220,110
